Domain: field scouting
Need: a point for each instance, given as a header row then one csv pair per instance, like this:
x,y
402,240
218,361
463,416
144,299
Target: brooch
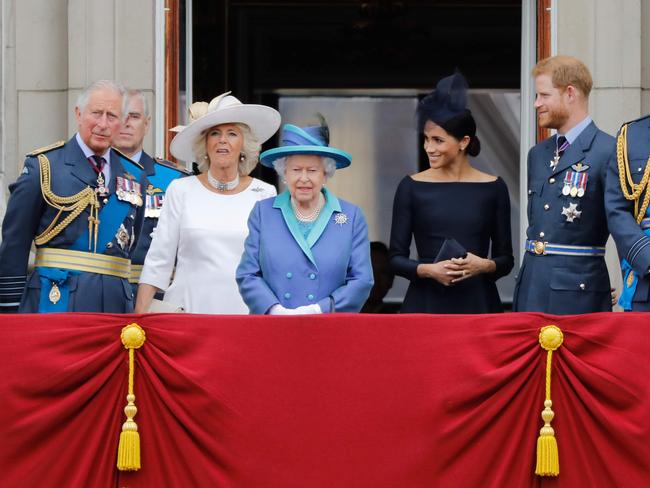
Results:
x,y
340,218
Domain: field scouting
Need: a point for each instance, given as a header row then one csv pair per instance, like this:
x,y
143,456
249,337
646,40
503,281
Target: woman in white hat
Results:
x,y
202,225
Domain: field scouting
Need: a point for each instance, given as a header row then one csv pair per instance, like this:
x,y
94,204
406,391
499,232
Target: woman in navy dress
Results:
x,y
451,200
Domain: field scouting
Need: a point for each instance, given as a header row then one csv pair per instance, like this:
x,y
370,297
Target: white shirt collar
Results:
x,y
89,152
136,157
573,133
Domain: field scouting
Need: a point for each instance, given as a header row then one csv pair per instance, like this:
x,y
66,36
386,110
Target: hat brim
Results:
x,y
342,158
262,120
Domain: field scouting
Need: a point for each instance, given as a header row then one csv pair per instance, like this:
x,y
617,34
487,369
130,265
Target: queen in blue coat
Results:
x,y
307,251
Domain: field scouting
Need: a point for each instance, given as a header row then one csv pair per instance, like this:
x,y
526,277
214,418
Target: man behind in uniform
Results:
x,y
564,270
81,203
160,174
627,201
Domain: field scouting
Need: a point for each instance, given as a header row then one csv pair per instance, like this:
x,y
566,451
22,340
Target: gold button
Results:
x,y
551,180
546,206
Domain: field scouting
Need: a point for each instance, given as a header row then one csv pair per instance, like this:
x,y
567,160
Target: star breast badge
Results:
x,y
571,212
340,218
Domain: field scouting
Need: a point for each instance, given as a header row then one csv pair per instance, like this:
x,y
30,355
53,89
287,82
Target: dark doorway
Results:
x,y
255,47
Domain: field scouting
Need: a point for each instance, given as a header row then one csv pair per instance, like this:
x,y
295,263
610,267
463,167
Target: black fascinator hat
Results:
x,y
446,106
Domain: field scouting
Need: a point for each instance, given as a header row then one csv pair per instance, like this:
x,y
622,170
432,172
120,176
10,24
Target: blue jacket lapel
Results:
x,y
576,151
331,205
79,166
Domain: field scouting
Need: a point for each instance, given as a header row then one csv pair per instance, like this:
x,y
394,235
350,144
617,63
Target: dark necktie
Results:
x,y
98,163
562,145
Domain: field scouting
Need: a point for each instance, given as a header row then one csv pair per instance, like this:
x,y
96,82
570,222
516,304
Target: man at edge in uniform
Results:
x,y
564,270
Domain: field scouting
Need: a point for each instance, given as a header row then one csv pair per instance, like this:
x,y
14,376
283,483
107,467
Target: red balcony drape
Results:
x,y
324,401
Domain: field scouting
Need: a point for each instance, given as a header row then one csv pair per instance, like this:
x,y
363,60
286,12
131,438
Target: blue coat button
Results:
x,y
312,276
310,297
287,295
289,275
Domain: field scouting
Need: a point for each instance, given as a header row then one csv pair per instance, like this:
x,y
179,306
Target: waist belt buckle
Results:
x,y
539,247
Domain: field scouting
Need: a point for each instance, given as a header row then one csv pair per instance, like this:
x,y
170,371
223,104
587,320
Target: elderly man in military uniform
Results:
x,y
81,203
160,174
564,270
627,201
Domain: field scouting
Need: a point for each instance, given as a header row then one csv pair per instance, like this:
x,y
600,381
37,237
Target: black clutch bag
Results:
x,y
450,248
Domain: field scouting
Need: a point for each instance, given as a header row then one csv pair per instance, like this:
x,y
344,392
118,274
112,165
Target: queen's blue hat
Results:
x,y
306,140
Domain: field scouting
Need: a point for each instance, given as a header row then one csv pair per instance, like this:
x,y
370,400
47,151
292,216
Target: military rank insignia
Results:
x,y
575,182
128,190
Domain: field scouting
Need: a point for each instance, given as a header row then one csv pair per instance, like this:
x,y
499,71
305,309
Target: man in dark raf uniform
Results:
x,y
160,174
564,270
627,201
81,203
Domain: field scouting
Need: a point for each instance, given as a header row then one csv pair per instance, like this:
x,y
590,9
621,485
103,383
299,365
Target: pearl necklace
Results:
x,y
312,216
219,186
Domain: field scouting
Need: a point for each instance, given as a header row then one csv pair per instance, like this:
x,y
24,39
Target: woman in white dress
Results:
x,y
202,227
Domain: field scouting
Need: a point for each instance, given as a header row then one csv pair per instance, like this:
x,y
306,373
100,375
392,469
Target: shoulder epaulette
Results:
x,y
127,158
45,149
637,120
169,164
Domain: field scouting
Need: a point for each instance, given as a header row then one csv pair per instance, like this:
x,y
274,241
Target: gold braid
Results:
x,y
75,204
625,173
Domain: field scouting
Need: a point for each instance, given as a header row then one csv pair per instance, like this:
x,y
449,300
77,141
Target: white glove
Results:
x,y
278,309
308,309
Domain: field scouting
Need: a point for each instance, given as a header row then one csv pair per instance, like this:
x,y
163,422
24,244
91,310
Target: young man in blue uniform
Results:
x,y
564,270
82,204
627,201
160,174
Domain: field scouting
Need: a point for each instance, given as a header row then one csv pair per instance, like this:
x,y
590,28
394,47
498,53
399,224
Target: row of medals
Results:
x,y
575,184
130,195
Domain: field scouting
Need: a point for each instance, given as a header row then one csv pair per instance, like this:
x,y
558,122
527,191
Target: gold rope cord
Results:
x,y
75,204
625,173
548,460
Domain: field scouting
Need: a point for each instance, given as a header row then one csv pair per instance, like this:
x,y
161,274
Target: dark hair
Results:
x,y
464,125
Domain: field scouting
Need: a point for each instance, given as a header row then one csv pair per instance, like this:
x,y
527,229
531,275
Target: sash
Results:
x,y
111,217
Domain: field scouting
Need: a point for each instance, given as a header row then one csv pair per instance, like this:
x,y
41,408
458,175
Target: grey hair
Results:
x,y
250,150
82,101
329,166
135,93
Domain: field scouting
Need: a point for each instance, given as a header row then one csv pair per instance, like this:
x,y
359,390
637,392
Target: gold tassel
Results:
x,y
128,451
548,461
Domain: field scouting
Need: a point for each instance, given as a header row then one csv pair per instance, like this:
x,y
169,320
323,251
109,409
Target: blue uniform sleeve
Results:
x,y
631,242
351,296
255,292
19,227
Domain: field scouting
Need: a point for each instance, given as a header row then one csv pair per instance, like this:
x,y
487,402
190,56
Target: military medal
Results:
x,y
630,279
55,294
101,189
571,212
566,189
122,237
574,191
554,162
